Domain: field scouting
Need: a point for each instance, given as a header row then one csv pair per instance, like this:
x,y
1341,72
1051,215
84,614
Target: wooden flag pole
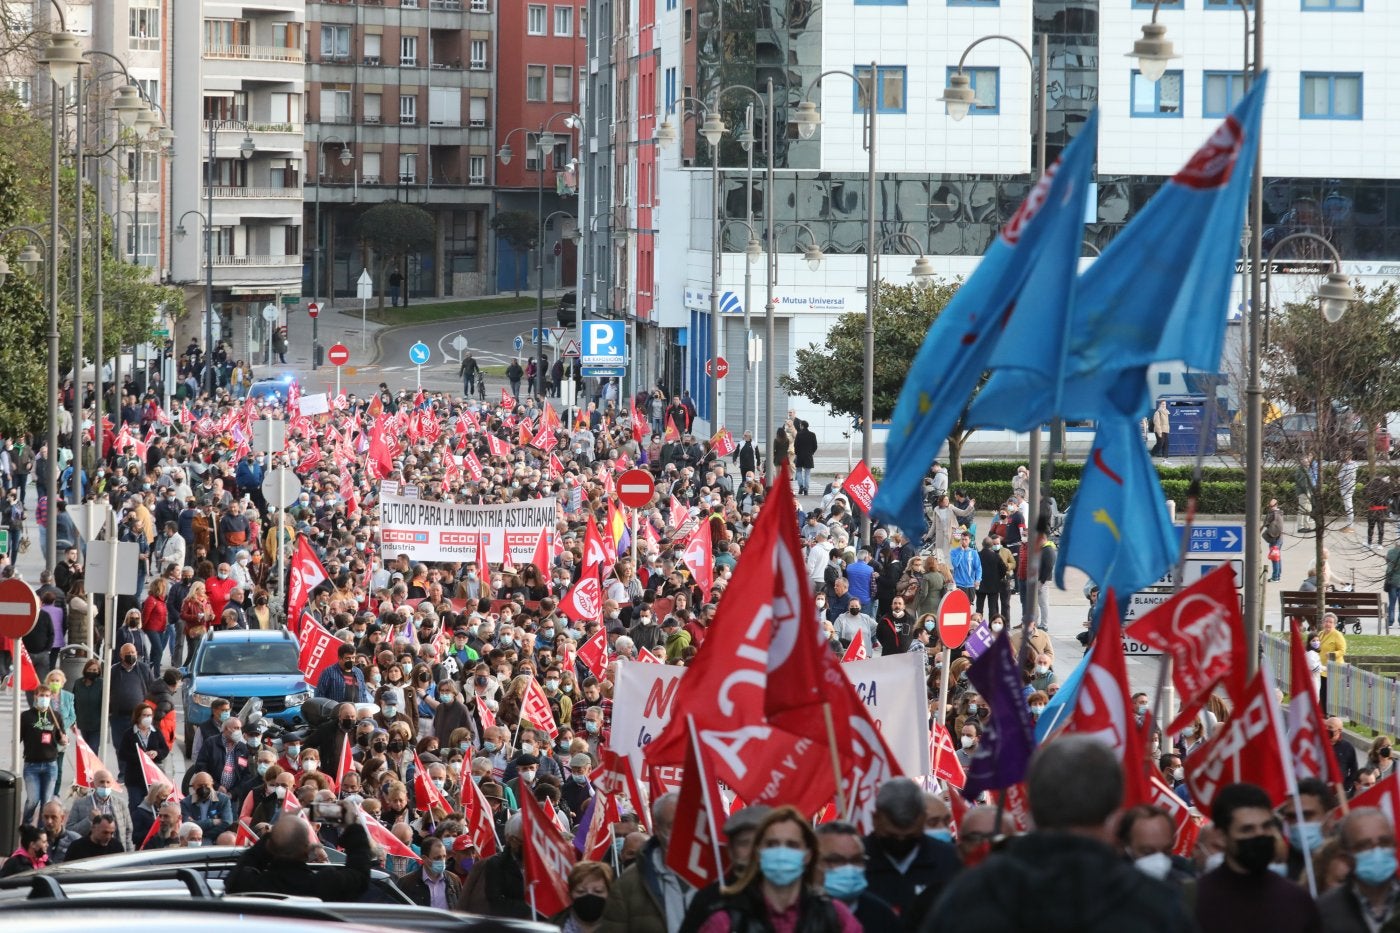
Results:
x,y
835,760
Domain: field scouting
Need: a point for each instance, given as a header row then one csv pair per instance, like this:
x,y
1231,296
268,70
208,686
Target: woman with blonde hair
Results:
x,y
779,889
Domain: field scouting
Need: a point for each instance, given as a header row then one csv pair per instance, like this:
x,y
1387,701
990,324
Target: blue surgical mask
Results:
x,y
223,716
942,835
437,866
845,882
1375,866
579,778
103,792
781,866
929,625
1305,835
591,725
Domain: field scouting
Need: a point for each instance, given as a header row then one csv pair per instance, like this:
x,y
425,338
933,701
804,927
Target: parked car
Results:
x,y
568,309
241,666
1292,436
271,389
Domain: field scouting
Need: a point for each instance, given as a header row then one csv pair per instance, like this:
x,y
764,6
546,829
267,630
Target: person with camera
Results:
x,y
277,863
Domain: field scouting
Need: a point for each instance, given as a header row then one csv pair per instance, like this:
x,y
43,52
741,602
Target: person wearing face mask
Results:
x,y
1242,893
781,886
142,739
452,713
903,860
842,861
854,620
43,733
431,884
1316,801
649,896
589,885
968,736
105,800
1146,835
227,759
1368,899
496,886
1065,875
343,683
738,831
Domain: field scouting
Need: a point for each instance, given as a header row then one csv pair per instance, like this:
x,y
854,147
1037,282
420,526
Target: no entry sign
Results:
x,y
19,608
635,489
339,354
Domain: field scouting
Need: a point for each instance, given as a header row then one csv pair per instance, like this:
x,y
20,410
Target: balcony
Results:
x,y
266,261
255,53
256,274
444,4
245,192
270,138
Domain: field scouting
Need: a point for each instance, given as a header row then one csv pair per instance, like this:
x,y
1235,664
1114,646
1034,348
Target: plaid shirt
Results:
x,y
583,706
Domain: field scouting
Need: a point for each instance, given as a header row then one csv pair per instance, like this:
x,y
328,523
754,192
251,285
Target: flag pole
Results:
x,y
705,789
943,690
1289,770
634,540
835,759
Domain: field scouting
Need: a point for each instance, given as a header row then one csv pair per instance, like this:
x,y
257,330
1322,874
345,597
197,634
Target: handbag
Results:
x,y
1275,553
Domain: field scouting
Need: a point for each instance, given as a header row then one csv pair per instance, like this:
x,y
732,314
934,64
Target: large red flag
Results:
x,y
1248,747
598,843
534,706
87,763
1103,708
856,652
638,425
671,433
943,756
540,558
483,712
549,856
693,853
152,775
380,835
1200,628
245,835
346,762
304,574
1383,795
584,601
28,676
319,650
426,796
476,814
594,653
1307,737
700,557
1188,827
860,486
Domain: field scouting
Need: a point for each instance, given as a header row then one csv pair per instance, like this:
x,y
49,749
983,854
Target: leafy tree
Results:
x,y
395,231
521,230
832,374
1346,374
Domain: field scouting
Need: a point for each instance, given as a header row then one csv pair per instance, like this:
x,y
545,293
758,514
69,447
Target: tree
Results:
x,y
832,374
394,231
521,230
1345,374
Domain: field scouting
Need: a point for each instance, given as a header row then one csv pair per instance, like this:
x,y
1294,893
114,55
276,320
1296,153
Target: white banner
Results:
x,y
446,531
893,689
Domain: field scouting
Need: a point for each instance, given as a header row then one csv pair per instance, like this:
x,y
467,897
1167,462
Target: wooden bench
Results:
x,y
1350,608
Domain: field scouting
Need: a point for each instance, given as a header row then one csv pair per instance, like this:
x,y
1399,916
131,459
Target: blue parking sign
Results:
x,y
604,343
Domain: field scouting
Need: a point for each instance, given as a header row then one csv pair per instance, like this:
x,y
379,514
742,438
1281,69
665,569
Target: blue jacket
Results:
x,y
860,574
213,815
331,686
249,474
967,567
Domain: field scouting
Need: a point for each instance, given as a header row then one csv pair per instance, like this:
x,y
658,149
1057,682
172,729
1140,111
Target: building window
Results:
x,y
669,92
143,239
476,170
478,54
1223,90
150,88
890,94
564,21
374,50
481,6
563,84
1157,98
408,110
974,2
476,112
1331,96
986,85
408,168
532,152
1343,6
408,51
142,165
335,42
1226,4
534,20
21,88
369,168
534,82
374,108
583,22
144,27
445,106
335,106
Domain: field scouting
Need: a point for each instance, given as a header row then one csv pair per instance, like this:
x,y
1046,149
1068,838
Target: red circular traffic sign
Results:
x,y
339,354
954,619
313,309
635,489
720,364
19,608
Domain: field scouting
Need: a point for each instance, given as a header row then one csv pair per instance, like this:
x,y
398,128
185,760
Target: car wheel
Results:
x,y
189,743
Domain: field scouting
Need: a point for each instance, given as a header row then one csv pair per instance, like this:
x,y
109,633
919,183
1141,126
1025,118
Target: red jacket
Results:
x,y
218,591
153,614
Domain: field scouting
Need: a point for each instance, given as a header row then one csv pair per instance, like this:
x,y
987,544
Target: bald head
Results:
x,y
290,840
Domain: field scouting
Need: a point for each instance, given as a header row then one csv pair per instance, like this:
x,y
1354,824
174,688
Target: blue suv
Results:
x,y
240,664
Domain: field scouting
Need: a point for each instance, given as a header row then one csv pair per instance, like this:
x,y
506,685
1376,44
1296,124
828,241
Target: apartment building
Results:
x,y
401,95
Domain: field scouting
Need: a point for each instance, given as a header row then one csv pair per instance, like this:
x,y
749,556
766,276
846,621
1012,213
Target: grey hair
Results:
x,y
901,801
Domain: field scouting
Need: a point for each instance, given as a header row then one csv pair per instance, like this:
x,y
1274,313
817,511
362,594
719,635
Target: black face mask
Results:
x,y
899,847
348,664
347,725
1255,854
589,907
395,746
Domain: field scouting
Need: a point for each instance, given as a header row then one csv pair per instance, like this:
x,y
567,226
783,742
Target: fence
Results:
x,y
1353,693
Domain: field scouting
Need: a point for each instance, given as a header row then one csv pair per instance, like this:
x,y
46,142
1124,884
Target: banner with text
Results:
x,y
447,531
892,688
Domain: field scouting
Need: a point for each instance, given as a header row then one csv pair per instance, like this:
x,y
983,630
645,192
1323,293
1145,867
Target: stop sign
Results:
x,y
954,618
19,608
339,354
635,488
719,368
313,309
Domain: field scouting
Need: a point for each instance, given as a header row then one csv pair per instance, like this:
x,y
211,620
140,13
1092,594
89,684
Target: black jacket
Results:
x,y
1051,882
935,864
804,448
258,871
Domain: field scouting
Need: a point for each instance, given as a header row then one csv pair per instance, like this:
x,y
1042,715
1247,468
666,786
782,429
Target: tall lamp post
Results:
x,y
544,145
1153,52
346,157
246,150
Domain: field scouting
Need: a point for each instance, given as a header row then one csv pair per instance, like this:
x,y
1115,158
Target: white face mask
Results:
x,y
1157,865
968,741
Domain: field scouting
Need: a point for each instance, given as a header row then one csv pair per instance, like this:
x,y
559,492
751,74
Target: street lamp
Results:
x,y
345,157
958,98
544,145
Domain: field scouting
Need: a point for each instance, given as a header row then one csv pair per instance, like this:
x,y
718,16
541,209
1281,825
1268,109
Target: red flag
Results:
x,y
723,443
555,817
380,835
584,601
28,676
1248,747
860,486
1188,827
87,763
534,706
958,807
152,775
679,513
1103,708
1200,628
381,456
472,465
497,447
304,574
699,556
943,756
483,712
476,815
647,656
1307,736
672,433
594,653
346,762
856,652
598,843
638,425
540,558
507,400
549,857
319,650
426,796
245,835
556,466
692,853
1383,795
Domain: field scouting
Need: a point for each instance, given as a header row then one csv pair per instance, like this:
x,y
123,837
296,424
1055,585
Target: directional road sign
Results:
x,y
1197,566
19,608
604,371
364,286
459,343
338,354
1226,538
518,342
418,353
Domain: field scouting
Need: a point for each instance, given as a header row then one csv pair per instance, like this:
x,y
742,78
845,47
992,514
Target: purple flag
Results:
x,y
584,821
978,641
1004,753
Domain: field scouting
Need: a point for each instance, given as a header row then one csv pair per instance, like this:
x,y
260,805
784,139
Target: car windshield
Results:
x,y
278,657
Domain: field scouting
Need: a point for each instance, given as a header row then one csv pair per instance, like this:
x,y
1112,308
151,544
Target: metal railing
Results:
x,y
257,261
245,192
1353,693
245,126
260,53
